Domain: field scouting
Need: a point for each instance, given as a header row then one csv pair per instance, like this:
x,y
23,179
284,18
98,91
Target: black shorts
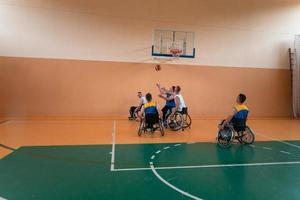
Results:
x,y
238,125
184,111
151,119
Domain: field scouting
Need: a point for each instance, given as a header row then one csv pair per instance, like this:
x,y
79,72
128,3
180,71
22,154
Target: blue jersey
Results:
x,y
170,103
241,113
150,108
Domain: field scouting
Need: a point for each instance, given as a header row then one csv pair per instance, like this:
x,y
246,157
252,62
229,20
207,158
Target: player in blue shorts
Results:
x,y
169,96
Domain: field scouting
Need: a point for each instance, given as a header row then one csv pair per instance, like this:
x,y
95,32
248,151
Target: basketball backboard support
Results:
x,y
166,41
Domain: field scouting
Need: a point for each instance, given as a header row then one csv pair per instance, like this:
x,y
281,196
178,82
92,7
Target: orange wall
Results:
x,y
53,87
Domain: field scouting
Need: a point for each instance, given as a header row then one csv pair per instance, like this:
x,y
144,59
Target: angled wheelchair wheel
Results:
x,y
135,116
177,123
161,128
187,121
141,127
248,136
225,137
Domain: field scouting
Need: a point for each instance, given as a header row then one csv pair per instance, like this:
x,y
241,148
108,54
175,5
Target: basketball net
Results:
x,y
175,52
175,49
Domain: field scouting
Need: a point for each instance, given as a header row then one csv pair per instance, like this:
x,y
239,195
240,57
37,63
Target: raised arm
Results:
x,y
162,96
162,90
159,88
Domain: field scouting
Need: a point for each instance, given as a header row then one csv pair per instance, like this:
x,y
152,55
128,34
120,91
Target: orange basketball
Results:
x,y
157,67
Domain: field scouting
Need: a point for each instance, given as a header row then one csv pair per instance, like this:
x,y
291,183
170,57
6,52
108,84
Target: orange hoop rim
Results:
x,y
175,51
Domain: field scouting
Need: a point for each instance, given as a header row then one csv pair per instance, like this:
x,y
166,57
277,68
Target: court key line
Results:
x,y
153,169
172,186
210,166
206,166
198,166
167,182
2,198
112,164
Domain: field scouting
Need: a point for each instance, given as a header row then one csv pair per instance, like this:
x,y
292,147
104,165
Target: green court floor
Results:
x,y
266,170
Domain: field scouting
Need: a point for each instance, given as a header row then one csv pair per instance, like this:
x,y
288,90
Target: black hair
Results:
x,y
242,98
173,88
140,92
178,88
148,97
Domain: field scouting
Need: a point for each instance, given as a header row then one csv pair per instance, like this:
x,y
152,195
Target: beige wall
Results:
x,y
228,32
241,47
51,87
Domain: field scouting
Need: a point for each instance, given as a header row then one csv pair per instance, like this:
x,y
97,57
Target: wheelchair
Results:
x,y
187,120
181,120
135,114
150,124
243,134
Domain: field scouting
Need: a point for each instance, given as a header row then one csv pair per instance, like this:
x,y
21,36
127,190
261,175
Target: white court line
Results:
x,y
158,152
2,198
283,142
167,148
267,148
176,145
211,166
112,166
285,152
191,142
152,157
172,186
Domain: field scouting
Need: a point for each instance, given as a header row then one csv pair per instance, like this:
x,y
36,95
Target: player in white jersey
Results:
x,y
180,103
135,109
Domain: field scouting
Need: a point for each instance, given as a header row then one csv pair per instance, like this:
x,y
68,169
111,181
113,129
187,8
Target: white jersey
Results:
x,y
181,102
143,100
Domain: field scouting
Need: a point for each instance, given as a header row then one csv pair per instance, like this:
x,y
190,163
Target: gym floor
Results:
x,y
106,159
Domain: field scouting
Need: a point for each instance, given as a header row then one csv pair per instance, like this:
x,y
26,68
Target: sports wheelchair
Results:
x,y
181,120
151,123
243,134
134,113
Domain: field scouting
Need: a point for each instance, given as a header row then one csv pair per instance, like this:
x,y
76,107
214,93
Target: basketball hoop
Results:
x,y
175,52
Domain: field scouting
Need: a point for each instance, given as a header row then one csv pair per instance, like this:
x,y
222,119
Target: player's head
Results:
x,y
177,89
148,97
172,88
139,94
241,98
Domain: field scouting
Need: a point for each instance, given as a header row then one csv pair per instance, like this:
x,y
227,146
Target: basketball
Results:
x,y
157,67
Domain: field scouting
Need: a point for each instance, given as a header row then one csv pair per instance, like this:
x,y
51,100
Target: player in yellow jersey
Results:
x,y
239,115
151,112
